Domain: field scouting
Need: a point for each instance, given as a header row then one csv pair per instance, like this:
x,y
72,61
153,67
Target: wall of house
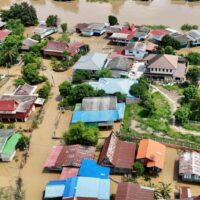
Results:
x,y
162,71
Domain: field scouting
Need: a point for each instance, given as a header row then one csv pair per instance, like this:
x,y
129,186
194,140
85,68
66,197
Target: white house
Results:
x,y
194,36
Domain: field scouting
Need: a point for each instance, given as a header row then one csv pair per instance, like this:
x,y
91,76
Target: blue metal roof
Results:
x,y
89,168
112,85
99,116
70,187
55,189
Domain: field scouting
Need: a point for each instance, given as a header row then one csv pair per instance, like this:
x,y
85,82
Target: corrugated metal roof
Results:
x,y
89,168
4,136
68,172
131,191
113,85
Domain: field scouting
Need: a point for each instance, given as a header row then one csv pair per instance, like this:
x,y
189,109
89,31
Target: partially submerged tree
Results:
x,y
64,27
112,20
52,20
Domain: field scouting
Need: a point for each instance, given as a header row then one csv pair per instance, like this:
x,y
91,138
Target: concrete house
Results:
x,y
142,33
96,29
158,34
137,50
163,67
194,36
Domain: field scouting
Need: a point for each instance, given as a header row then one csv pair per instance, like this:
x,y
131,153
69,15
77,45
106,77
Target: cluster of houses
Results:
x,y
8,142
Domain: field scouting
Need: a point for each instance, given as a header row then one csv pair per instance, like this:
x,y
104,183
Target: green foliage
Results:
x,y
139,168
31,58
80,134
52,20
195,109
169,50
11,126
190,93
23,143
188,27
64,38
44,91
193,58
168,40
64,27
25,12
194,74
31,75
160,26
65,88
163,191
15,26
112,20
104,73
120,97
148,104
19,81
1,125
182,115
81,75
36,37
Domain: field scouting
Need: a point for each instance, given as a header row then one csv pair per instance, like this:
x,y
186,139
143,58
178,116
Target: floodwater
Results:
x,y
173,13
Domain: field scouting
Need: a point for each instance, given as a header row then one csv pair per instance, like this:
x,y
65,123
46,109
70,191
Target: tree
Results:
x,y
44,91
112,20
15,26
148,104
80,134
194,75
182,115
120,97
104,73
163,191
23,143
25,12
52,20
188,27
190,93
139,168
193,58
168,40
100,93
81,75
169,50
31,75
19,81
1,125
64,38
64,27
31,58
65,88
195,109
36,37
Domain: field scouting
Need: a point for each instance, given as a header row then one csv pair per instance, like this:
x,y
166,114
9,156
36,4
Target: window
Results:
x,y
167,70
159,70
170,70
156,69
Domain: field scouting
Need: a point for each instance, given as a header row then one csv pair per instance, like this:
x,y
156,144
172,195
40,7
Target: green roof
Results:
x,y
9,148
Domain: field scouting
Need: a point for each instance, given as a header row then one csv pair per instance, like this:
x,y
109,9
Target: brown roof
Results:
x,y
72,155
185,193
153,151
25,89
131,191
162,61
120,154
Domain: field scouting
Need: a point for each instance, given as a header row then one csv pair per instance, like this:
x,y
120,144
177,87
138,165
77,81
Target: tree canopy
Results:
x,y
112,20
194,74
52,20
23,11
80,134
15,26
65,88
168,40
193,58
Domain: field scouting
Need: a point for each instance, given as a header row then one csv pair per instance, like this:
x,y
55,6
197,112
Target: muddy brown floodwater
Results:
x,y
173,13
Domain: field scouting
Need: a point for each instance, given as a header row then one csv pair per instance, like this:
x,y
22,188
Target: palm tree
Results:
x,y
163,191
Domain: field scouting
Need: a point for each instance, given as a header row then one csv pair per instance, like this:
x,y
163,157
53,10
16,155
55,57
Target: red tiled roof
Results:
x,y
4,34
8,105
131,191
121,154
159,32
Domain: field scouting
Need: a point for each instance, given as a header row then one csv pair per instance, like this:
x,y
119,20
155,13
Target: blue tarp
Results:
x,y
99,116
89,168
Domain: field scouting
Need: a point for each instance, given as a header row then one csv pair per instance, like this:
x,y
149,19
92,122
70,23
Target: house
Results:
x,y
4,34
132,191
9,149
96,29
25,89
68,172
119,66
92,62
137,50
89,168
113,85
75,188
5,134
183,39
44,31
189,166
163,67
124,36
142,33
118,155
113,29
158,34
151,154
68,156
27,43
194,36
91,183
16,107
99,111
80,27
185,193
56,48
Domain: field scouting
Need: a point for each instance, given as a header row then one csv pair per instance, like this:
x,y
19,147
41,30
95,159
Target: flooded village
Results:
x,y
99,100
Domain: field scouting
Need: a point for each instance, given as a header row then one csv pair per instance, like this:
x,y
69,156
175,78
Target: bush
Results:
x,y
36,37
65,88
19,81
139,168
23,143
25,12
11,126
81,75
80,134
44,91
64,27
104,73
194,74
188,27
52,20
193,58
1,125
190,93
182,115
120,97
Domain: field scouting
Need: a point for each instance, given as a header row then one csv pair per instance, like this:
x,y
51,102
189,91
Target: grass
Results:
x,y
174,87
191,127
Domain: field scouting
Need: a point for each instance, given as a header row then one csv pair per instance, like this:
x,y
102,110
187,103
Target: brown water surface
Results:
x,y
168,12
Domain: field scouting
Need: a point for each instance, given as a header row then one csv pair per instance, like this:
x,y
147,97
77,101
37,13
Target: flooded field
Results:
x,y
173,13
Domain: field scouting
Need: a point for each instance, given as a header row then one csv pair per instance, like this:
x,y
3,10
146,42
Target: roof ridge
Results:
x,y
166,57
